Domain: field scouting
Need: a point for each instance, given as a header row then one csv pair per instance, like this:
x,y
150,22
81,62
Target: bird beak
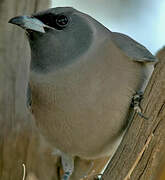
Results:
x,y
29,23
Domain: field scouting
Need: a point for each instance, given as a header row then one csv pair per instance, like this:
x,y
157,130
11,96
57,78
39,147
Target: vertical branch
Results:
x,y
20,142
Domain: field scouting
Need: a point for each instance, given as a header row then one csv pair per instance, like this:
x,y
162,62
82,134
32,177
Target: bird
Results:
x,y
82,80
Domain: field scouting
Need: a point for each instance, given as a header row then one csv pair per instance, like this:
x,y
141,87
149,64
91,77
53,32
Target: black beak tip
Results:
x,y
12,20
16,20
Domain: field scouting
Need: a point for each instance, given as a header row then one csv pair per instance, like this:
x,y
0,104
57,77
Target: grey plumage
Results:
x,y
82,79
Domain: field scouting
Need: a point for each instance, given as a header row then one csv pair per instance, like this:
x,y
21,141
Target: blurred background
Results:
x,y
142,20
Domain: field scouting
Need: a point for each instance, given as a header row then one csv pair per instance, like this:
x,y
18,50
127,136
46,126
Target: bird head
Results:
x,y
56,36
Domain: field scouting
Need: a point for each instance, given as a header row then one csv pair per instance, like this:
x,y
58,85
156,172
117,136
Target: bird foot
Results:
x,y
136,104
66,176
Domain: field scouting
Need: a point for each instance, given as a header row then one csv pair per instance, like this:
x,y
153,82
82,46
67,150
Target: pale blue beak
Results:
x,y
29,23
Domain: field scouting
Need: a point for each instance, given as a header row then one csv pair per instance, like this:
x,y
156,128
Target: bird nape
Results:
x,y
82,80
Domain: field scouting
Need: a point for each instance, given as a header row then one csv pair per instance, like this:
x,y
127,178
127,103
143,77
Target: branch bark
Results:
x,y
141,151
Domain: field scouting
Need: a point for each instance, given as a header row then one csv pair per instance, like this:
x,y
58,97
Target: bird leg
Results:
x,y
68,166
136,100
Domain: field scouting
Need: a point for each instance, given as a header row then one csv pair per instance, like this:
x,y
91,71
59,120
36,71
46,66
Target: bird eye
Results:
x,y
62,21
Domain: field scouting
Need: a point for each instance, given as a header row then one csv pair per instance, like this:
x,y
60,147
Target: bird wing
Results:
x,y
132,48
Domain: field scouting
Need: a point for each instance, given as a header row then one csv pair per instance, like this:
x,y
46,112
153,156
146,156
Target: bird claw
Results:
x,y
136,104
66,176
98,177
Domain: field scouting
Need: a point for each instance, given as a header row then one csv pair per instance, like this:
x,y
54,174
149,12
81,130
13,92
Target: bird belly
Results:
x,y
84,112
87,133
80,123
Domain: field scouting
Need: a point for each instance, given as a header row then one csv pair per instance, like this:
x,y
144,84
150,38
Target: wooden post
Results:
x,y
22,150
